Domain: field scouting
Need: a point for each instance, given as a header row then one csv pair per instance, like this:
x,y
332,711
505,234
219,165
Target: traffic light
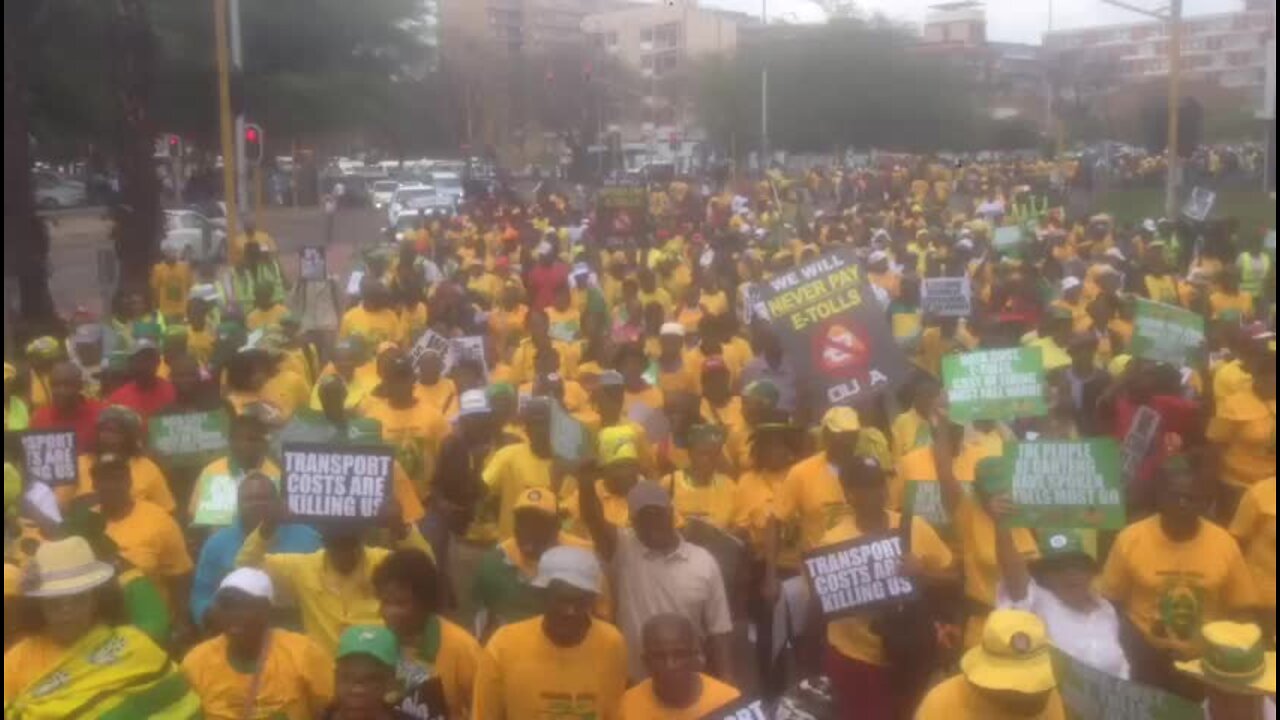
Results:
x,y
253,141
673,142
174,142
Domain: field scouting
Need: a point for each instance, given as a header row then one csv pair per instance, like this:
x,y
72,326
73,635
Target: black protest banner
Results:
x,y
50,456
834,331
947,297
740,709
312,264
858,576
336,484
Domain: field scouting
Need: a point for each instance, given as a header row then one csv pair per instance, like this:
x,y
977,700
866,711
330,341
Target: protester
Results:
x,y
146,393
119,434
535,667
251,669
70,407
77,621
676,688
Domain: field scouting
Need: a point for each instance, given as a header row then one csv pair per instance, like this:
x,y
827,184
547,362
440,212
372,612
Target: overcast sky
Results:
x,y
1007,20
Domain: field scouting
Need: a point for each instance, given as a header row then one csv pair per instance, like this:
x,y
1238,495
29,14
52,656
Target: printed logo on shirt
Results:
x,y
1181,608
562,706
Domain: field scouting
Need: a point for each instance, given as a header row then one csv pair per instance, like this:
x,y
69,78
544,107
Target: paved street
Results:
x,y
76,240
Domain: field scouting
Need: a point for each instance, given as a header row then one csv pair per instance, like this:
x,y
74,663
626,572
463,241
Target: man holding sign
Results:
x,y
852,578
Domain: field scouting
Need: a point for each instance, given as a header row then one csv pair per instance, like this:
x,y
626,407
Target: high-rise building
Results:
x,y
513,27
1229,49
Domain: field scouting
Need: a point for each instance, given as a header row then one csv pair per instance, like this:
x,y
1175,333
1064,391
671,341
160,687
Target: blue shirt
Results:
x,y
218,559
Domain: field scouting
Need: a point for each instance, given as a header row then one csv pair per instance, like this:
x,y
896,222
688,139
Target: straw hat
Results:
x,y
1013,657
63,568
1235,660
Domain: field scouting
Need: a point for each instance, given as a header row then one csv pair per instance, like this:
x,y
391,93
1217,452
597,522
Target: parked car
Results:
x,y
54,192
410,199
195,237
383,192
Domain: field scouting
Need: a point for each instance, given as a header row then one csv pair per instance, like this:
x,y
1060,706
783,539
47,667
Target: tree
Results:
x,y
26,242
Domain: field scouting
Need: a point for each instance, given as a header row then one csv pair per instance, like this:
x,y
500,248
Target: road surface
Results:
x,y
77,238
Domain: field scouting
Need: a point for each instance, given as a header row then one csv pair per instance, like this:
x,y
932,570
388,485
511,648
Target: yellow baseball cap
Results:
x,y
617,444
541,499
1235,660
1013,657
841,420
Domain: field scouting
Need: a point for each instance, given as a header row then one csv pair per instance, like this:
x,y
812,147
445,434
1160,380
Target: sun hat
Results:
x,y
841,420
473,402
646,495
573,566
1013,656
617,444
62,568
538,499
1235,660
250,581
372,641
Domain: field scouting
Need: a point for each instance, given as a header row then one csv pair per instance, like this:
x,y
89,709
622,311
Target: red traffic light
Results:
x,y
174,140
251,134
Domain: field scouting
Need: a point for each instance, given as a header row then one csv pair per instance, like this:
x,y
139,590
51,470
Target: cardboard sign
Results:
x,y
1089,694
1138,440
740,709
451,350
1200,204
218,500
429,341
1069,485
354,282
947,297
189,440
50,457
336,484
1167,333
1007,239
857,576
570,440
312,264
995,384
834,331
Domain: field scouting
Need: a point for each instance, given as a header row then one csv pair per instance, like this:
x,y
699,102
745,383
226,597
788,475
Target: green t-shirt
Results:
x,y
145,607
499,589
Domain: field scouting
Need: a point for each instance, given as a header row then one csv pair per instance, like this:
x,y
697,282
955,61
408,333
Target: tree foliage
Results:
x,y
848,83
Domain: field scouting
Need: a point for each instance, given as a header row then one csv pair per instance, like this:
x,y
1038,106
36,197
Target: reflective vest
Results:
x,y
1254,272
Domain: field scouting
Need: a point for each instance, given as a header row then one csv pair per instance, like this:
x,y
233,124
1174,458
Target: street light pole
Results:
x,y
226,126
237,64
764,92
1175,102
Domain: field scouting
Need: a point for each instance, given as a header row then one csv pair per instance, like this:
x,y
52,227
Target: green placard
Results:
x,y
1167,333
1008,239
189,440
923,498
1068,485
1089,694
218,501
995,384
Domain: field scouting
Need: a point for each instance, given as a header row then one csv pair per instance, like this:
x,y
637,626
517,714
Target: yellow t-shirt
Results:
x,y
287,391
640,703
566,325
650,396
511,471
659,297
455,663
811,496
152,542
259,319
170,286
956,699
148,482
715,503
1245,427
240,242
375,327
1170,589
757,492
1255,527
977,533
524,675
1241,302
416,432
714,304
28,661
295,683
1162,289
853,637
910,432
443,396
200,344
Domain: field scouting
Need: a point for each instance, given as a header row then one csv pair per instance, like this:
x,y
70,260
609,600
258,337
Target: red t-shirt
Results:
x,y
543,282
145,402
84,420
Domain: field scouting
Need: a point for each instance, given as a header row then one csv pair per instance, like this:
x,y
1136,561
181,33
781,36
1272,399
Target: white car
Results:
x,y
193,236
410,199
383,192
54,193
448,185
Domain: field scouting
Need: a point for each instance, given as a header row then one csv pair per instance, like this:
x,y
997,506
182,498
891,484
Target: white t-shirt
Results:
x,y
1092,638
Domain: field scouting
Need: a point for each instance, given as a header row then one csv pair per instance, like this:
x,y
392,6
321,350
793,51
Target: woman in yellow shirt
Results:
x,y
1254,526
1245,429
508,319
408,587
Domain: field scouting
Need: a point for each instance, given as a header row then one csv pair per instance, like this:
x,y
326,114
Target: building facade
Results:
x,y
514,27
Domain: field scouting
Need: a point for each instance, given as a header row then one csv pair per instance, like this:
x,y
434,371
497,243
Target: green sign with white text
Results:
x,y
1166,333
1068,484
995,384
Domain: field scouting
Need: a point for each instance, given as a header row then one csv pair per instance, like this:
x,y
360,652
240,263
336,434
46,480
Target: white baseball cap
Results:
x,y
572,566
473,402
251,582
1070,283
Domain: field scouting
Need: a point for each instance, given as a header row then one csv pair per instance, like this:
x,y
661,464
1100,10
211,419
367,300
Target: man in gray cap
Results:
x,y
658,573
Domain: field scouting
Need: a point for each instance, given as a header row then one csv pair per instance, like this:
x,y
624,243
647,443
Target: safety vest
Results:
x,y
1253,272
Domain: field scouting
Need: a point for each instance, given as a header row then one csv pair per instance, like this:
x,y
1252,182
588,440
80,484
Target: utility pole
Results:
x,y
237,65
1174,22
226,126
764,92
